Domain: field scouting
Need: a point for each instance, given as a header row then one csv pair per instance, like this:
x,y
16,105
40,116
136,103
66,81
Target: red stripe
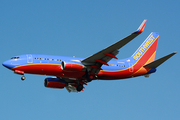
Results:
x,y
48,69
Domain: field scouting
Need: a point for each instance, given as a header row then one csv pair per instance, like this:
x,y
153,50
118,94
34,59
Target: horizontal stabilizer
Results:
x,y
158,62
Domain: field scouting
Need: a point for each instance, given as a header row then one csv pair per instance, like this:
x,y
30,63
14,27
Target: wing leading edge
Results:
x,y
95,61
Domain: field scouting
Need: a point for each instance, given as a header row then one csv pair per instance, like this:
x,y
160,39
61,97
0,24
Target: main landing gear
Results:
x,y
79,87
88,77
23,78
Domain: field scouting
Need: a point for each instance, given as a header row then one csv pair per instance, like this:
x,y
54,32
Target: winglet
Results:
x,y
158,62
141,27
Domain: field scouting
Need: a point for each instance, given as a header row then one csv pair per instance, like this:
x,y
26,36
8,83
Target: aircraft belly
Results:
x,y
114,74
76,75
48,69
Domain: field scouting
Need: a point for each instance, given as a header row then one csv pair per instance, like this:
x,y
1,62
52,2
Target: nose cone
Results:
x,y
7,64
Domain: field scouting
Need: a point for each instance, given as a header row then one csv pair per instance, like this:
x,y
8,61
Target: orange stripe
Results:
x,y
143,70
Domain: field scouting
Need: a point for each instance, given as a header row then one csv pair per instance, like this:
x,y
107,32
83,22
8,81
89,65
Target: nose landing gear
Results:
x,y
23,78
20,73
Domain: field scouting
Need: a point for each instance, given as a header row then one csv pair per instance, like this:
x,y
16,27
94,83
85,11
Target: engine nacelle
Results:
x,y
71,67
54,83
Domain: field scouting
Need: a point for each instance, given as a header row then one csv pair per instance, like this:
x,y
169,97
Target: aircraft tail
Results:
x,y
147,50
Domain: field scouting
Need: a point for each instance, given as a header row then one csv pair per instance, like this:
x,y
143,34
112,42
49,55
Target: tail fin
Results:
x,y
147,51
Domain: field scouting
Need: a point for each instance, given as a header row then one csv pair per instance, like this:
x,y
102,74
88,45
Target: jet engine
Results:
x,y
54,83
72,67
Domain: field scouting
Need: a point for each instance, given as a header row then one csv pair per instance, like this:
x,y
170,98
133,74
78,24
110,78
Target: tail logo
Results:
x,y
144,47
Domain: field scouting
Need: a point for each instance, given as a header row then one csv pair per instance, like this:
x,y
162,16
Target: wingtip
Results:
x,y
173,53
141,27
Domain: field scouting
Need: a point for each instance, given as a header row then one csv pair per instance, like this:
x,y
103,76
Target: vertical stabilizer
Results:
x,y
147,50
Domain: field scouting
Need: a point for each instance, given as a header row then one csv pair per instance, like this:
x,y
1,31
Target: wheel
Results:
x,y
23,78
79,88
90,78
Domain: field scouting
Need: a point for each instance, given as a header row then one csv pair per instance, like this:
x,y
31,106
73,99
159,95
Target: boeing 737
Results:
x,y
73,73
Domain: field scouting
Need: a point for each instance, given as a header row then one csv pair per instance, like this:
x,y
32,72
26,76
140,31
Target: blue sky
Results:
x,y
81,28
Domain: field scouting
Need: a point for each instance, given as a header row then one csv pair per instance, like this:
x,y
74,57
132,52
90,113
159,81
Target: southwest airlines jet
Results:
x,y
73,73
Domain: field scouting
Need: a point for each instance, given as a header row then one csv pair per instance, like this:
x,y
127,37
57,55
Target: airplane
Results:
x,y
73,73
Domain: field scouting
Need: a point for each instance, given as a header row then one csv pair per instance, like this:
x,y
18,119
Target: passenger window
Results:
x,y
47,58
52,59
44,58
57,59
15,57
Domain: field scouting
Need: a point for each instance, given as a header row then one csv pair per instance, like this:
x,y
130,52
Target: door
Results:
x,y
130,67
29,58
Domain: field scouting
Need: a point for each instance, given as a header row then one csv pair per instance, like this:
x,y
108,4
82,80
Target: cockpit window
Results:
x,y
15,57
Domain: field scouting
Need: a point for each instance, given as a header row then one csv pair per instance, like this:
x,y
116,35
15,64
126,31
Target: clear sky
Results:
x,y
81,28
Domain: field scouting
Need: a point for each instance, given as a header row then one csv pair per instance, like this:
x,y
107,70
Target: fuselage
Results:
x,y
51,65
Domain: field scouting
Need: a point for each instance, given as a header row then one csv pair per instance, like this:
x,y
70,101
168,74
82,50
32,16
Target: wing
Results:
x,y
95,61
